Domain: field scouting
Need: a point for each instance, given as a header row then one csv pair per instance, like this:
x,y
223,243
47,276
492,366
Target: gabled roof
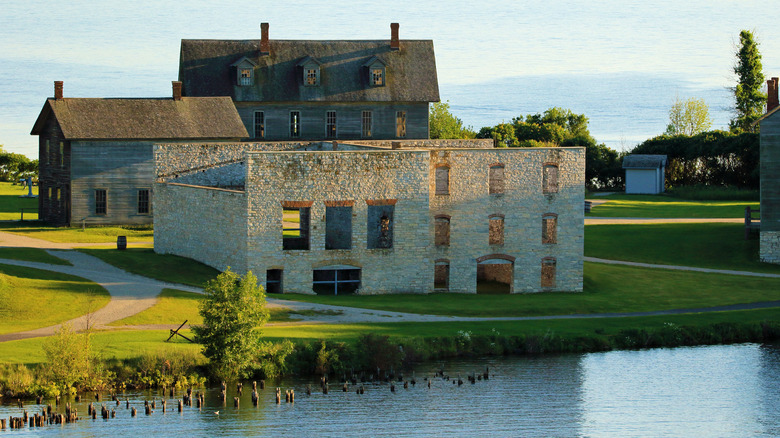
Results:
x,y
640,161
144,119
204,68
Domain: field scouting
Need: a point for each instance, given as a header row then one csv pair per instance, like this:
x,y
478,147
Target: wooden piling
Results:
x,y
235,402
278,396
133,412
163,405
240,388
181,405
392,387
262,384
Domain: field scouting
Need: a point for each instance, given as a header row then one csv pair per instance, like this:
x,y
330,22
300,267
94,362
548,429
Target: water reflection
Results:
x,y
702,391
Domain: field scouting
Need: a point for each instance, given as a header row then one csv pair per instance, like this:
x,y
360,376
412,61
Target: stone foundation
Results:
x,y
770,247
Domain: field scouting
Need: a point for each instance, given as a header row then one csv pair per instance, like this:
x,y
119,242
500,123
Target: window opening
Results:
x,y
295,124
441,275
62,154
496,179
295,228
377,77
496,230
442,180
400,124
550,178
330,127
550,228
548,272
367,124
100,201
495,274
338,227
311,76
380,226
143,201
273,281
245,76
442,231
335,281
259,124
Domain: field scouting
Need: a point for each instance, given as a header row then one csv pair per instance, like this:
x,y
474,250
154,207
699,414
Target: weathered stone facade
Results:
x,y
396,201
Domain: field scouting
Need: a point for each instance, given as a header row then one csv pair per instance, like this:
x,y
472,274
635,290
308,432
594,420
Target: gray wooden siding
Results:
x,y
54,174
313,119
121,168
770,173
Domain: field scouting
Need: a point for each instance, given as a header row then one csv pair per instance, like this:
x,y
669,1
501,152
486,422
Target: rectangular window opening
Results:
x,y
311,76
273,281
367,124
330,126
245,77
338,227
338,281
143,201
400,124
377,78
548,273
295,228
496,231
442,180
100,201
259,124
380,226
549,229
496,180
295,124
442,231
441,276
550,179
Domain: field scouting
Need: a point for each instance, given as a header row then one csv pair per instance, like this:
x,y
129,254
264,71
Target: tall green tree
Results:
x,y
233,312
688,117
749,98
443,124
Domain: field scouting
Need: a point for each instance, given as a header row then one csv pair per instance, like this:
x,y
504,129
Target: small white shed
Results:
x,y
645,173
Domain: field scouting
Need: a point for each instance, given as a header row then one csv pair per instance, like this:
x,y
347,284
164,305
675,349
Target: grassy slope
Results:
x,y
144,261
718,246
11,203
660,206
77,235
129,344
32,298
32,255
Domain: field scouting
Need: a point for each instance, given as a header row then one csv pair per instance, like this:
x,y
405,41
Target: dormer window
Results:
x,y
376,72
245,72
311,71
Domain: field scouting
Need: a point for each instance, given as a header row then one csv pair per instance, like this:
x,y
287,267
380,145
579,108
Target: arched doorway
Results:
x,y
495,274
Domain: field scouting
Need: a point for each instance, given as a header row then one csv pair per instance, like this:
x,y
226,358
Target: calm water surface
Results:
x,y
713,391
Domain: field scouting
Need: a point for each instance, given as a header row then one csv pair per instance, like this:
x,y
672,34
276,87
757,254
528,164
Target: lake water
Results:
x,y
620,63
713,391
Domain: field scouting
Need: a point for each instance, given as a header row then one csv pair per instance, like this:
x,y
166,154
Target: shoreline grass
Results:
x,y
32,255
664,206
107,234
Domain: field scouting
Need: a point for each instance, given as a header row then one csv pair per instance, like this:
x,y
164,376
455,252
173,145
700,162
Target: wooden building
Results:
x,y
95,155
645,174
770,176
314,90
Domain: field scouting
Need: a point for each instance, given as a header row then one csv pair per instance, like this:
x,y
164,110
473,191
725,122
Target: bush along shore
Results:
x,y
370,355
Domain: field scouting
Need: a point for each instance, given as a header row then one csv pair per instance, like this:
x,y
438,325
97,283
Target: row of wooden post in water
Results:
x,y
48,416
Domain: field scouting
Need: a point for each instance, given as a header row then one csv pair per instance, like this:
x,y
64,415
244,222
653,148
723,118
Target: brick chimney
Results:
x,y
58,90
394,45
176,90
772,101
265,45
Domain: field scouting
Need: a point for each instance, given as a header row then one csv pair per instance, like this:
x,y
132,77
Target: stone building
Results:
x,y
95,155
377,216
770,177
294,90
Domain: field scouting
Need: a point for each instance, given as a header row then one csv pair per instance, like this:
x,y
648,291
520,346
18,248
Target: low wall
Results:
x,y
473,143
770,247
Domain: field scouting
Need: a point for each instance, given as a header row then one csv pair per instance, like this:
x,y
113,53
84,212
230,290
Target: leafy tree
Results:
x,y
750,78
688,117
14,166
233,312
442,124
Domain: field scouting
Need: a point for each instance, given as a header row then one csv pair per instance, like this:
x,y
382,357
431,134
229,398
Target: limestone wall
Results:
x,y
474,143
205,224
770,246
225,176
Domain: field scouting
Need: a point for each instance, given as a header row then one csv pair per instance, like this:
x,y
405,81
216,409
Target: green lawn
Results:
x,y
718,246
32,255
664,206
135,343
77,235
164,267
607,289
11,204
32,298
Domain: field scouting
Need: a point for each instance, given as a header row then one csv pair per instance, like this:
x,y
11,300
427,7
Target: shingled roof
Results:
x,y
144,119
205,69
640,161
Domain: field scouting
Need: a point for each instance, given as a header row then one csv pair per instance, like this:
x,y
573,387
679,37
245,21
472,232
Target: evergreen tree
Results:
x,y
749,97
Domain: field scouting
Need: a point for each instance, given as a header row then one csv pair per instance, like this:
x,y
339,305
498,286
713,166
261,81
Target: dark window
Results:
x,y
442,231
400,124
367,124
548,272
295,228
295,124
336,281
273,281
143,201
442,180
46,154
380,226
496,180
441,275
496,230
549,228
330,126
312,77
259,124
377,77
100,201
62,154
550,179
338,227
